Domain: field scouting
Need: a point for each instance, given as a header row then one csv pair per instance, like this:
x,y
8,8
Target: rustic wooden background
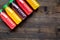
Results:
x,y
43,24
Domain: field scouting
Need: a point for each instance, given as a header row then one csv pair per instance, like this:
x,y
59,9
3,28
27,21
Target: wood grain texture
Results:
x,y
38,26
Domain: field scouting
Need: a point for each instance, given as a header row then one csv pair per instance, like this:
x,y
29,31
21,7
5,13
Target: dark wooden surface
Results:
x,y
40,25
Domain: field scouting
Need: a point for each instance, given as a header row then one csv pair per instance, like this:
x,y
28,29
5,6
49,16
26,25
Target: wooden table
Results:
x,y
40,25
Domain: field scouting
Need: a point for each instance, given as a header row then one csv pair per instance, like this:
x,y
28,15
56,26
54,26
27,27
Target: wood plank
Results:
x,y
38,26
